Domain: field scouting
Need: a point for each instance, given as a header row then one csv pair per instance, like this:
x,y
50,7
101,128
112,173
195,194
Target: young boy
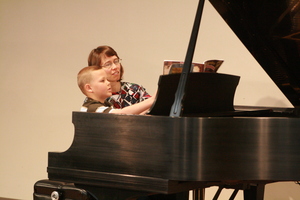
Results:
x,y
93,83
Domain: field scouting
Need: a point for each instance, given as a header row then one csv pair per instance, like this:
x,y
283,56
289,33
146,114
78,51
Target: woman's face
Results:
x,y
112,67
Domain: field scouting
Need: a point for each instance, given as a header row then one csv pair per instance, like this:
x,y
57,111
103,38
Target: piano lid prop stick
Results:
x,y
176,108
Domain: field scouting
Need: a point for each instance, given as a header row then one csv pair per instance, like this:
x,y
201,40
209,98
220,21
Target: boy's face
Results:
x,y
113,72
99,85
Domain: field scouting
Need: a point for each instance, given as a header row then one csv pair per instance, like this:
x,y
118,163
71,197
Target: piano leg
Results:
x,y
254,192
218,193
199,194
234,194
251,191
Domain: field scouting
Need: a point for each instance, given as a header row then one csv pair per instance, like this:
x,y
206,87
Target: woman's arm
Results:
x,y
138,108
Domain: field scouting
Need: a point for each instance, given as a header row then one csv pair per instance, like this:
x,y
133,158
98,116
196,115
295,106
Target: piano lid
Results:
x,y
270,30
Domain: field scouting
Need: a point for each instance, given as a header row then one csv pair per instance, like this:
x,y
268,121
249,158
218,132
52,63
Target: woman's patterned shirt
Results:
x,y
129,94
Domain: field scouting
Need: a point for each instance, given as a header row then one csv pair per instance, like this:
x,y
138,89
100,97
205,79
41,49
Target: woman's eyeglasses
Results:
x,y
109,65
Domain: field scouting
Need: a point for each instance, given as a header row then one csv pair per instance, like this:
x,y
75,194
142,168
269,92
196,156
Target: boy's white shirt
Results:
x,y
99,110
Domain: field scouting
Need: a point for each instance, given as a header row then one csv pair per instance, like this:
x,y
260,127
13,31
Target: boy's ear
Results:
x,y
88,88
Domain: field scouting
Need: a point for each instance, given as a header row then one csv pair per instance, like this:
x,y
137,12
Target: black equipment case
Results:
x,y
56,190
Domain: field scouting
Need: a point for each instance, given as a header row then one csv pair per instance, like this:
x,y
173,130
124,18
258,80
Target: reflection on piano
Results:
x,y
174,150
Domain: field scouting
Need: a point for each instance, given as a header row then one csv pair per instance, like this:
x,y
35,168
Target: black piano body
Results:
x,y
150,153
228,147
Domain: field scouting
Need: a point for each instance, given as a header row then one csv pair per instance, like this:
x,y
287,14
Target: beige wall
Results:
x,y
44,44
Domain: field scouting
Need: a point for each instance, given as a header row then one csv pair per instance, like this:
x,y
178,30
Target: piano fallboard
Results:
x,y
136,152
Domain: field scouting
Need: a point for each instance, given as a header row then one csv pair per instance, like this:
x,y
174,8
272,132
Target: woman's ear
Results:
x,y
88,88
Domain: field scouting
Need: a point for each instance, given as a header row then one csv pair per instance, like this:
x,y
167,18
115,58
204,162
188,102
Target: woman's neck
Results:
x,y
115,86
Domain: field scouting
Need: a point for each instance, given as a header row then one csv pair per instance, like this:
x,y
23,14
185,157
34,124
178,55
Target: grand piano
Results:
x,y
189,142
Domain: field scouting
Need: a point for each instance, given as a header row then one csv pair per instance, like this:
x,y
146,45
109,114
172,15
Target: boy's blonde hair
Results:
x,y
84,76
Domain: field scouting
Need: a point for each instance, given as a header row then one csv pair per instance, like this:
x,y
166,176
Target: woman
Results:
x,y
123,93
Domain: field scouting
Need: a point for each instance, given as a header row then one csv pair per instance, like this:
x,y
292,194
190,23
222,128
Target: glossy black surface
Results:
x,y
219,90
270,29
136,152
